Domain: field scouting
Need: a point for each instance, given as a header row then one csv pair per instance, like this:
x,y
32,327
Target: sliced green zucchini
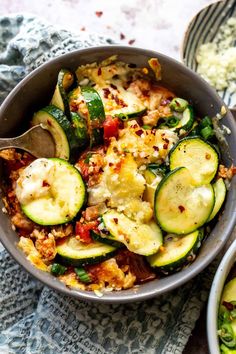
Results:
x,y
103,238
176,251
51,191
152,181
180,206
54,120
220,193
96,114
59,99
71,251
80,128
144,239
187,120
120,102
178,104
198,156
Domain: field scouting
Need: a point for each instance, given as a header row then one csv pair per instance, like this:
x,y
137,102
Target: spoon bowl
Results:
x,y
37,141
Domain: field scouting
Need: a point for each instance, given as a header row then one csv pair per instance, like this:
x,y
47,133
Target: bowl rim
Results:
x,y
215,295
187,30
119,296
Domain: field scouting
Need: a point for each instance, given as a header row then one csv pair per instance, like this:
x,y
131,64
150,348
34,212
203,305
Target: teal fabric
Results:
x,y
37,320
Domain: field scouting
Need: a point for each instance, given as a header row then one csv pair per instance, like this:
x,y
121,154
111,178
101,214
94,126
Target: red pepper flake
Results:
x,y
82,28
110,164
115,220
99,71
156,148
122,36
181,208
99,13
131,41
165,146
46,184
139,132
113,86
106,92
166,140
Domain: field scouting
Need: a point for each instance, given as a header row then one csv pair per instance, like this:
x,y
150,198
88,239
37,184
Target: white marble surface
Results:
x,y
153,24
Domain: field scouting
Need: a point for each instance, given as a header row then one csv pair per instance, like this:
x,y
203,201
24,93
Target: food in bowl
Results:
x,y
217,59
136,180
227,316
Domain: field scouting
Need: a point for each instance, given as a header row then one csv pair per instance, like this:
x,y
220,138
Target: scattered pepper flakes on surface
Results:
x,y
131,41
99,13
122,36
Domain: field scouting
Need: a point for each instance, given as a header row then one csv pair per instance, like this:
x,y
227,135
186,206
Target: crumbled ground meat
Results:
x,y
226,172
22,223
62,231
45,245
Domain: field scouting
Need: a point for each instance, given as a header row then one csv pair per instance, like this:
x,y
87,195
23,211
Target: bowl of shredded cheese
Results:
x,y
209,48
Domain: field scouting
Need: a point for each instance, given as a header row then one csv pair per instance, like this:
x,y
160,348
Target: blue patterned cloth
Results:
x,y
37,320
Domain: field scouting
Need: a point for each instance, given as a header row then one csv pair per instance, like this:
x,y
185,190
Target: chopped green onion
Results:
x,y
205,122
83,276
226,334
58,269
207,132
88,156
172,122
122,116
178,104
158,169
146,127
225,350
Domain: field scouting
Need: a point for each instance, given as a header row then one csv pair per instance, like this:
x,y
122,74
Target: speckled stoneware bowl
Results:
x,y
215,295
36,90
203,28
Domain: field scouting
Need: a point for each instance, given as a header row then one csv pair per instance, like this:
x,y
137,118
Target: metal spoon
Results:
x,y
37,141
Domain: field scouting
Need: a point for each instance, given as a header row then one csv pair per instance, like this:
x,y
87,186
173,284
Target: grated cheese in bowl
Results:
x,y
217,60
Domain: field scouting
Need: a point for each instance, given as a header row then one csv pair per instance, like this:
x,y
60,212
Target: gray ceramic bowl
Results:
x,y
203,28
36,90
215,295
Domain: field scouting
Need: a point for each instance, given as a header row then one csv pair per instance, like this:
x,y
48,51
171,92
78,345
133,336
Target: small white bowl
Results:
x,y
215,295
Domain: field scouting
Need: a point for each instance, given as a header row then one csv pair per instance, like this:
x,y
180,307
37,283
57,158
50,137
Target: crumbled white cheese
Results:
x,y
217,60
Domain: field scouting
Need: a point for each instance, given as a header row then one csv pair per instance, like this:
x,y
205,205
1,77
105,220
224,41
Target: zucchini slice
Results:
x,y
59,99
96,114
120,102
71,251
220,193
80,128
152,181
104,239
51,191
54,120
180,206
187,119
198,156
144,239
176,251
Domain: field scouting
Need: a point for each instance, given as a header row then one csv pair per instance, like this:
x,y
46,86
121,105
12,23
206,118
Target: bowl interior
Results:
x,y
36,90
203,29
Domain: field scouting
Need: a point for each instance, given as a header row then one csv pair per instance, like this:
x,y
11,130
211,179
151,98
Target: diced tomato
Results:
x,y
83,230
83,167
111,126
